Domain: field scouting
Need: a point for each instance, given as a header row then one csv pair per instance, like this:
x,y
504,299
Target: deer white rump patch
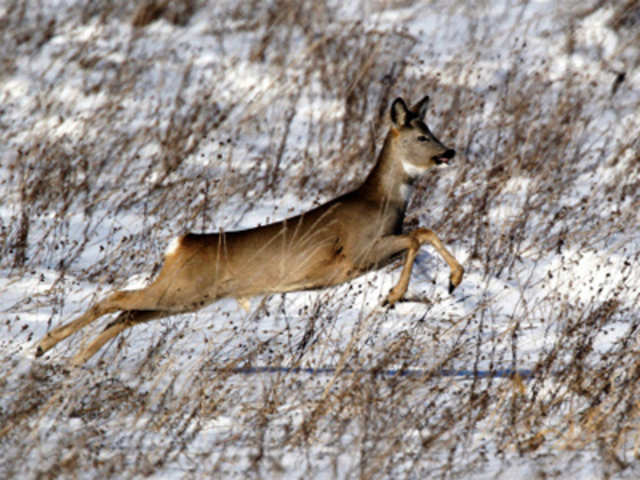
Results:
x,y
173,246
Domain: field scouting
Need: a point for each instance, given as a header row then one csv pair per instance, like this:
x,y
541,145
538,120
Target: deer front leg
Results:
x,y
386,247
400,288
425,235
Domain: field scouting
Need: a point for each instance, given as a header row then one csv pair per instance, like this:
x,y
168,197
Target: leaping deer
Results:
x,y
331,244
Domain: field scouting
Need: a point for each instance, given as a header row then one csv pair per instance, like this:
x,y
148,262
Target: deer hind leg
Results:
x,y
125,320
120,300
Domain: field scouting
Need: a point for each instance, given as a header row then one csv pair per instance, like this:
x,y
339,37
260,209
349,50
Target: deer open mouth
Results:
x,y
445,157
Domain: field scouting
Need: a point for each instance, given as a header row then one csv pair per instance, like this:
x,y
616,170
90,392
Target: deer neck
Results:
x,y
388,182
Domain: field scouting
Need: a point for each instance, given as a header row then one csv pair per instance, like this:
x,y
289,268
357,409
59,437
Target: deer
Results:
x,y
338,241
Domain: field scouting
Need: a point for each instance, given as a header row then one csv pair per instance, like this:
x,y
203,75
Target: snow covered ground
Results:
x,y
123,125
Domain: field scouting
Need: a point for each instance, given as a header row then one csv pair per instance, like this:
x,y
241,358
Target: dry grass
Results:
x,y
543,177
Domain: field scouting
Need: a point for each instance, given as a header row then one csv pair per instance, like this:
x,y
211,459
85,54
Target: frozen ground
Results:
x,y
122,125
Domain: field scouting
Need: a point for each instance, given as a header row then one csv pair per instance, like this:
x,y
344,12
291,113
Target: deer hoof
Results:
x,y
455,279
392,298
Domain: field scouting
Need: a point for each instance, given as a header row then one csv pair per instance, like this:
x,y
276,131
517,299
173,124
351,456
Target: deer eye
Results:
x,y
422,138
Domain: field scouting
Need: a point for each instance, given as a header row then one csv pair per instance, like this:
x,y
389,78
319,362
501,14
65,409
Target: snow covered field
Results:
x,y
123,124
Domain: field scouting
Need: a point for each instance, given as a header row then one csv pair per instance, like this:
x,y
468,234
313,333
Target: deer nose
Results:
x,y
449,153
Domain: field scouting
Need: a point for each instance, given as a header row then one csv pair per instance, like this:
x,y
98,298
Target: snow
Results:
x,y
350,322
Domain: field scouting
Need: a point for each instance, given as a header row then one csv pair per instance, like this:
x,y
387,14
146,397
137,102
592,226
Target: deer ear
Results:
x,y
421,108
399,112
